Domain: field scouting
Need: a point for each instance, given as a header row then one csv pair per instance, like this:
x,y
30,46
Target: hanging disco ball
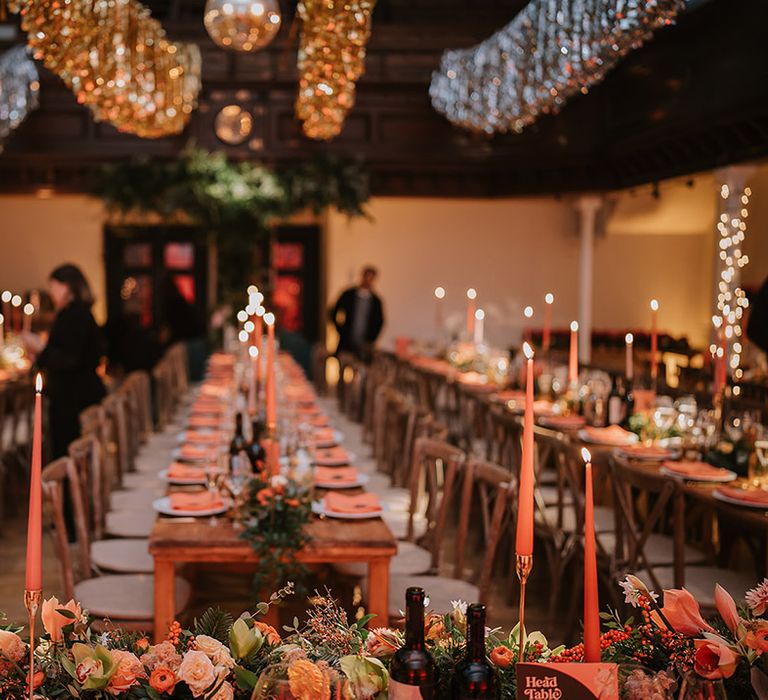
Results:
x,y
242,25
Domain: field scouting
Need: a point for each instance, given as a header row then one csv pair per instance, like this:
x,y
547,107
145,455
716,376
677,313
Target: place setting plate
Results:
x,y
725,498
585,436
163,506
318,508
362,480
321,461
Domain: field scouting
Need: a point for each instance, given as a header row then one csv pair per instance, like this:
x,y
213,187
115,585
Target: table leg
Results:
x,y
378,591
165,597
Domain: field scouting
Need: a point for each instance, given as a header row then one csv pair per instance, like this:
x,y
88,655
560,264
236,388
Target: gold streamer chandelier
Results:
x,y
117,60
331,59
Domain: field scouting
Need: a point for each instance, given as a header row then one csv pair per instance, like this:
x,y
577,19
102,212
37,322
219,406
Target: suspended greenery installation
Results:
x,y
234,203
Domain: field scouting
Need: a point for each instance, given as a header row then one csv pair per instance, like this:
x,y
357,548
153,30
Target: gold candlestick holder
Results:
x,y
32,600
524,566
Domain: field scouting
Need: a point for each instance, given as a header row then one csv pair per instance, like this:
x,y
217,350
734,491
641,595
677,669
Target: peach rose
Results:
x,y
127,673
270,633
682,612
163,655
54,621
214,650
757,637
163,680
197,671
502,656
226,692
12,650
714,659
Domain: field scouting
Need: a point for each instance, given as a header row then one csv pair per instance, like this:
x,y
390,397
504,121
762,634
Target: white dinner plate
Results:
x,y
670,456
163,506
724,479
351,456
319,509
193,460
163,476
585,437
737,502
362,479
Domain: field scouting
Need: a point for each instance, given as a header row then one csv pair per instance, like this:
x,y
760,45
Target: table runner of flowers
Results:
x,y
328,657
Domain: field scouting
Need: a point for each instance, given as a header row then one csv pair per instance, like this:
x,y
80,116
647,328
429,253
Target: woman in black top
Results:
x,y
70,357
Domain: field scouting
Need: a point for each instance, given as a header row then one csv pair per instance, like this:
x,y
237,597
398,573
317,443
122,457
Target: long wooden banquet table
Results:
x,y
178,541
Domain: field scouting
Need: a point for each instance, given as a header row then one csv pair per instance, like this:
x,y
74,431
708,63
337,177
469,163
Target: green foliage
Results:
x,y
234,202
215,623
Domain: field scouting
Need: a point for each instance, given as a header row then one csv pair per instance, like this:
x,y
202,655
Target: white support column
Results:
x,y
588,206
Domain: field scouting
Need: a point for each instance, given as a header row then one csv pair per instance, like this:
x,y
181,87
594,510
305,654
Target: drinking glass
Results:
x,y
758,465
212,475
236,482
697,688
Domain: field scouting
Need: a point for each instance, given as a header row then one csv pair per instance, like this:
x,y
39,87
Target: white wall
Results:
x,y
37,234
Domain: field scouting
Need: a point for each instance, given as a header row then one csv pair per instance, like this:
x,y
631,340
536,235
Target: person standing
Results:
x,y
358,316
70,357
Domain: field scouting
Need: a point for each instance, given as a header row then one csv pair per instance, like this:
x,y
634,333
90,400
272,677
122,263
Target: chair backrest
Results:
x,y
114,405
320,357
432,482
645,503
491,488
503,436
138,383
163,393
86,455
553,454
57,476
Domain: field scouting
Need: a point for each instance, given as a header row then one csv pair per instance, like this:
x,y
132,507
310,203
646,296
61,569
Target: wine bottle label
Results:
x,y
401,691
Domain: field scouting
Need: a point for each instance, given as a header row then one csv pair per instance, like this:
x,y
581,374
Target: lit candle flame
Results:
x,y
471,293
269,318
585,455
439,292
654,305
6,296
527,351
243,336
479,314
248,326
549,298
253,351
252,289
28,309
39,383
528,311
2,319
260,311
16,300
717,321
574,326
629,338
242,315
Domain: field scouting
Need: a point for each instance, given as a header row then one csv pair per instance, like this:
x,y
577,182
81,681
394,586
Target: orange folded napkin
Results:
x,y
188,451
336,475
205,500
612,435
311,410
564,422
700,470
361,503
178,470
210,437
330,456
319,421
647,451
198,421
757,496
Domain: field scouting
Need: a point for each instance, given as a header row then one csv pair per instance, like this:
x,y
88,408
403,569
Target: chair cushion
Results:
x,y
135,499
398,523
409,560
440,589
396,499
700,582
604,520
658,548
122,556
130,523
125,597
550,495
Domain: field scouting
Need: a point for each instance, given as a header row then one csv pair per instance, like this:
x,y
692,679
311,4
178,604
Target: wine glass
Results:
x,y
212,475
236,482
697,688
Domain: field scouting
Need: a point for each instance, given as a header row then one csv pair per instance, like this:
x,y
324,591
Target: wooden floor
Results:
x,y
233,591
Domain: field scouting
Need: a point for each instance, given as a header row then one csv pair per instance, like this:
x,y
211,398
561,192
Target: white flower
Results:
x,y
214,650
459,606
278,480
634,589
197,672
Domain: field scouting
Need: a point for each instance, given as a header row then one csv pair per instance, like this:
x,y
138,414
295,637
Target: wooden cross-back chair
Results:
x,y
114,407
138,383
85,453
163,393
126,599
503,436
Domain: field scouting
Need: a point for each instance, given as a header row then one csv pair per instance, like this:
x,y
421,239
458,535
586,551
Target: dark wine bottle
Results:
x,y
473,676
617,402
238,443
256,453
412,665
629,404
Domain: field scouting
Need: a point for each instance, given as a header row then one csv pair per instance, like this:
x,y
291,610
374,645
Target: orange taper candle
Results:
x,y
591,598
271,388
654,337
34,574
573,356
256,340
546,335
471,308
524,542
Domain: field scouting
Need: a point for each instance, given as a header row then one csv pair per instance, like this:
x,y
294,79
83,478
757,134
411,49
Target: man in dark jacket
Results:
x,y
358,316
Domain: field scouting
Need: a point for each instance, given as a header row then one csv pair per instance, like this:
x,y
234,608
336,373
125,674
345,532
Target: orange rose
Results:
x,y
714,659
263,496
269,632
163,680
54,621
292,502
682,612
142,644
757,637
129,670
502,656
